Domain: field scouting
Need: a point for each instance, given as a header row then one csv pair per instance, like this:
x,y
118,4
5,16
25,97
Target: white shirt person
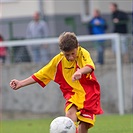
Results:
x,y
36,29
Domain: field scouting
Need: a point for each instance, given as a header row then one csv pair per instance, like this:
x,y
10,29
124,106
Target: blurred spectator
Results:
x,y
38,28
3,51
120,23
97,25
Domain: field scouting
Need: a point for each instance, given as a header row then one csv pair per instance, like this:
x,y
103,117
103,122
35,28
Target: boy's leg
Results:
x,y
86,121
83,127
71,113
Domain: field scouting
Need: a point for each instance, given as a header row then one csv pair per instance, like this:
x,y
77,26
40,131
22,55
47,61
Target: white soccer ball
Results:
x,y
62,124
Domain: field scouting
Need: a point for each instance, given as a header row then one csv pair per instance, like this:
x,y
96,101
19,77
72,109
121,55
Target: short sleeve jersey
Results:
x,y
85,92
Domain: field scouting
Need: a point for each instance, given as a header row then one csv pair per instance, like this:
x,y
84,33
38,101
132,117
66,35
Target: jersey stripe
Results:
x,y
37,80
64,86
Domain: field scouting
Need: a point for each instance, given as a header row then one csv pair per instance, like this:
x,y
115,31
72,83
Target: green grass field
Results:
x,y
104,124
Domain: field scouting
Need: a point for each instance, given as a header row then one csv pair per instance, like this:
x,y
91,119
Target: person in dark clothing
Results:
x,y
120,19
97,25
120,25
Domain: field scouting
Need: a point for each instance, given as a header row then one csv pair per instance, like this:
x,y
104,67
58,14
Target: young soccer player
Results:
x,y
73,69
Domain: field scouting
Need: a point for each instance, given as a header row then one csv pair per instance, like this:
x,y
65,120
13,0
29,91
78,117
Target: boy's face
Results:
x,y
71,55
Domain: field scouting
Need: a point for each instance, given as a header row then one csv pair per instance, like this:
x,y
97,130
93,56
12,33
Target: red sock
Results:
x,y
76,130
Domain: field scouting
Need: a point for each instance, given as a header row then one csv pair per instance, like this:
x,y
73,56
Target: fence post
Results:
x,y
119,75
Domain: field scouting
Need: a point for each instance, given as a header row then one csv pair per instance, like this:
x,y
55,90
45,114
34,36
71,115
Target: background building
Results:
x,y
61,15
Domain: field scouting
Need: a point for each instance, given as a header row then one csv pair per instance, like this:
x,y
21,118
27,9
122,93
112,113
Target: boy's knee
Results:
x,y
71,113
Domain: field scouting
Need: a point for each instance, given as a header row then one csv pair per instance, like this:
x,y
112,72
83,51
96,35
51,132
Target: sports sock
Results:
x,y
76,130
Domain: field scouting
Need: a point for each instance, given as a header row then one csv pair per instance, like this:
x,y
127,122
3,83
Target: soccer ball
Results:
x,y
62,124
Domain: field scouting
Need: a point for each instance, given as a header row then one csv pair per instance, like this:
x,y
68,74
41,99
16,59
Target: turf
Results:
x,y
104,124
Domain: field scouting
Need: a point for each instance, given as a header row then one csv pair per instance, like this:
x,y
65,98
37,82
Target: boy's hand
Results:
x,y
15,84
77,75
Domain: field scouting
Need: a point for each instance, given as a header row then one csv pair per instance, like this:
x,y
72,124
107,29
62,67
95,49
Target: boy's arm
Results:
x,y
16,84
78,74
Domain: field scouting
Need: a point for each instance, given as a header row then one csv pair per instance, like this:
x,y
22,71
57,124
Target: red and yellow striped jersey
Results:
x,y
84,93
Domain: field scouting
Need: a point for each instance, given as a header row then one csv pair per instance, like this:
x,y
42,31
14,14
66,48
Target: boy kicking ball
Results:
x,y
73,69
